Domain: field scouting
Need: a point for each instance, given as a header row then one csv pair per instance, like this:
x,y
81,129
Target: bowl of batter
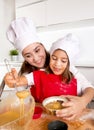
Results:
x,y
16,109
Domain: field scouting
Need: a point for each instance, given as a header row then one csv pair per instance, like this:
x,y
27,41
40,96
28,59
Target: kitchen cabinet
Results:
x,y
64,11
20,3
35,10
54,12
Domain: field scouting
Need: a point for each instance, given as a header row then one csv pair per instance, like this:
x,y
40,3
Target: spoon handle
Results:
x,y
2,87
9,70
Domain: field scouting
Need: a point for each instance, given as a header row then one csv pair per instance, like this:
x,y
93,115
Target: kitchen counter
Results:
x,y
42,122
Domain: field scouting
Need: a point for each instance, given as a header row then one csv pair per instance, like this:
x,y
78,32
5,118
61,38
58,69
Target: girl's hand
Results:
x,y
74,108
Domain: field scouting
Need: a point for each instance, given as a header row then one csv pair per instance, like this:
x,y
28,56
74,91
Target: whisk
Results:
x,y
8,66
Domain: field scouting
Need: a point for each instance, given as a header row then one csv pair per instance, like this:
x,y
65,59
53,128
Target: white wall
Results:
x,y
88,72
86,38
85,63
7,13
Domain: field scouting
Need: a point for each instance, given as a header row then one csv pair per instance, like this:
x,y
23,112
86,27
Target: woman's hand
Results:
x,y
11,78
74,108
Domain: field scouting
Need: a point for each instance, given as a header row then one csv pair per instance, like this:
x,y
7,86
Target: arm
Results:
x,y
77,104
88,95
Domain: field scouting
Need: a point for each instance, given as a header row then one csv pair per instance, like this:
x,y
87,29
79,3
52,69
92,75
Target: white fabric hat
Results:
x,y
22,33
70,44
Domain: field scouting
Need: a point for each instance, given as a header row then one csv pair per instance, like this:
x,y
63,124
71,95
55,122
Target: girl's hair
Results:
x,y
66,76
27,68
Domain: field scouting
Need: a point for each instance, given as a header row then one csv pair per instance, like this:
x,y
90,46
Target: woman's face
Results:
x,y
58,61
35,55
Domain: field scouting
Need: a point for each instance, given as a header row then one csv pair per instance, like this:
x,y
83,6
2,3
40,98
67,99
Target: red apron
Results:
x,y
47,85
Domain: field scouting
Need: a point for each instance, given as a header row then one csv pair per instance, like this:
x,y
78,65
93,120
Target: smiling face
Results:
x,y
35,55
58,61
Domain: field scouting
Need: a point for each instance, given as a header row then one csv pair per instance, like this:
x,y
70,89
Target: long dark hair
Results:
x,y
67,74
27,68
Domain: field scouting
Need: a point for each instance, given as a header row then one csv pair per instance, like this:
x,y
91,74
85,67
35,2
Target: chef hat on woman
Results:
x,y
22,33
68,43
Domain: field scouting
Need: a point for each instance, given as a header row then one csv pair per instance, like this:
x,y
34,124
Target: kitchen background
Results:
x,y
53,19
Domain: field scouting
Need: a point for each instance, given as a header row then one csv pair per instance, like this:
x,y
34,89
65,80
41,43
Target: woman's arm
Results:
x,y
88,95
76,105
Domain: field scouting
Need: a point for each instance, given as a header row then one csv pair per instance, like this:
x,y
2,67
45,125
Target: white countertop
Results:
x,y
12,63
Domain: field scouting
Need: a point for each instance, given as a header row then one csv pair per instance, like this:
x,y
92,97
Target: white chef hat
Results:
x,y
22,33
70,44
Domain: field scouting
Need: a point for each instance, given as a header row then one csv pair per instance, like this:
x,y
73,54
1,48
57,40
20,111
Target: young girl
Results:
x,y
57,79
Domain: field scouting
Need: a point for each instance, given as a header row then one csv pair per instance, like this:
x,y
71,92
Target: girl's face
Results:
x,y
58,61
35,55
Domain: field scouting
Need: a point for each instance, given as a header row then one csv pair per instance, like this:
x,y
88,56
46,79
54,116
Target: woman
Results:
x,y
23,35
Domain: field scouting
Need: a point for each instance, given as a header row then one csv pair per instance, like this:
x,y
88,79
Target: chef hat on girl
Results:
x,y
22,33
68,43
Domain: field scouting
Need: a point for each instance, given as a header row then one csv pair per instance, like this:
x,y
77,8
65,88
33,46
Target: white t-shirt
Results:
x,y
82,82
